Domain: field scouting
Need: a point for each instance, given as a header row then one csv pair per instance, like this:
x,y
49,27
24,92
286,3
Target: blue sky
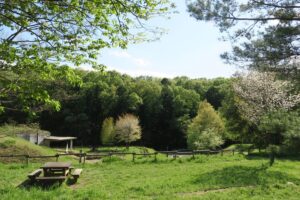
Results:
x,y
190,48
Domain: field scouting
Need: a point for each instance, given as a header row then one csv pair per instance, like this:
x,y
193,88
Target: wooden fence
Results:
x,y
84,156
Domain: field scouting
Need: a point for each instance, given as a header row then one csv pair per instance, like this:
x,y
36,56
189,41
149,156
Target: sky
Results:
x,y
189,48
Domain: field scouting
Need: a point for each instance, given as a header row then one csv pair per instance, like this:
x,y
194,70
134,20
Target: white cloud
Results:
x,y
141,62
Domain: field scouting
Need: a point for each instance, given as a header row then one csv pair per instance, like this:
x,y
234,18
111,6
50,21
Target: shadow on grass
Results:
x,y
263,156
27,184
236,176
45,185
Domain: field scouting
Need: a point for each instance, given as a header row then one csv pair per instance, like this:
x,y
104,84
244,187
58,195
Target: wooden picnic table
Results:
x,y
56,169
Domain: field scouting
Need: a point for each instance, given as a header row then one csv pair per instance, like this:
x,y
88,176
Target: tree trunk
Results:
x,y
272,158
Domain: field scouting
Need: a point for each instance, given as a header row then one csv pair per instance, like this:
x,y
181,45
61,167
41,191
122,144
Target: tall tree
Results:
x,y
206,129
263,33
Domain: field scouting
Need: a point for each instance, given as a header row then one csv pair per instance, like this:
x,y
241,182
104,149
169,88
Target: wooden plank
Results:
x,y
35,174
76,172
49,178
57,165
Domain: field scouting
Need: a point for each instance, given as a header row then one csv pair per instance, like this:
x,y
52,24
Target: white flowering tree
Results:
x,y
127,129
259,93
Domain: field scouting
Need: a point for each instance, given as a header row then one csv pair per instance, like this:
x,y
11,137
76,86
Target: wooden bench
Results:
x,y
76,173
33,175
51,178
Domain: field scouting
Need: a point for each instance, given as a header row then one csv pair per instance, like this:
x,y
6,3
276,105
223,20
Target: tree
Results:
x,y
281,132
266,32
260,92
107,130
237,128
282,128
39,40
127,129
206,129
208,139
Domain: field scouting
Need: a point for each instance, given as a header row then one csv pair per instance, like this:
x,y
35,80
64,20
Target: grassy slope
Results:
x,y
11,144
183,178
10,130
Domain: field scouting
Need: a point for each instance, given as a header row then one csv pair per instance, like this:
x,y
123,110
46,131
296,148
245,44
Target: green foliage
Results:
x,y
257,42
107,131
206,129
281,128
237,128
208,139
42,39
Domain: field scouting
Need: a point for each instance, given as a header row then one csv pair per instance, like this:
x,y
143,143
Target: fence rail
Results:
x,y
84,156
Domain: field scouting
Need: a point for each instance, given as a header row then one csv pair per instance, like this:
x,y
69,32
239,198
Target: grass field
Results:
x,y
205,177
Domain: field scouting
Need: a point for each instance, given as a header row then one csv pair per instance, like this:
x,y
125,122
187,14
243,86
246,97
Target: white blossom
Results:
x,y
261,92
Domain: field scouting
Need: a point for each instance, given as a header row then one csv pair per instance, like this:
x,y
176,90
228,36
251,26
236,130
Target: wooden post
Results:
x,y
37,137
233,152
110,155
133,157
84,158
80,156
57,155
27,159
193,154
71,145
155,158
67,148
222,152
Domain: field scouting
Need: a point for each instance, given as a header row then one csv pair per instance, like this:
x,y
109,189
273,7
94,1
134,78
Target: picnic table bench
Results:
x,y
55,171
76,173
33,175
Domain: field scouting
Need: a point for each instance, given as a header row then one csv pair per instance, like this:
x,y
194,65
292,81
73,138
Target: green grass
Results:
x,y
239,147
206,177
13,130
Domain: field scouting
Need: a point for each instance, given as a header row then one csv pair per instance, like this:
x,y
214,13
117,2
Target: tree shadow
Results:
x,y
263,156
237,176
